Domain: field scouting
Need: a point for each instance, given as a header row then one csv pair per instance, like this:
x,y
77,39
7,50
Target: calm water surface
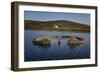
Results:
x,y
55,52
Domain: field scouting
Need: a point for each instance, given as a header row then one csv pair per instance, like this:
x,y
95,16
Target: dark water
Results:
x,y
55,51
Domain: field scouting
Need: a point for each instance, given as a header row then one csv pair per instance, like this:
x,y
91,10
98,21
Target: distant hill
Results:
x,y
57,25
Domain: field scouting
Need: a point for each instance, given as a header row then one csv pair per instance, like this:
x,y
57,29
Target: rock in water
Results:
x,y
42,41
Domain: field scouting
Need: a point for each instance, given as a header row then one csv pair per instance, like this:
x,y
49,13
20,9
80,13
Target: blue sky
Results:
x,y
49,16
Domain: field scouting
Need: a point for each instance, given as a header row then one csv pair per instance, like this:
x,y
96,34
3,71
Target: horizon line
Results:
x,y
58,20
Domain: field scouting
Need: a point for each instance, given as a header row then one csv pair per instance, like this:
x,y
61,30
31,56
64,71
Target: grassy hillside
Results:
x,y
61,24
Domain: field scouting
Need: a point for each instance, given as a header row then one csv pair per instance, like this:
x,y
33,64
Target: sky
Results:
x,y
49,16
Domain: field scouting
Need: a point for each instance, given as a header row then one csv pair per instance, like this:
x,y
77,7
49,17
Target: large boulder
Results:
x,y
42,41
75,40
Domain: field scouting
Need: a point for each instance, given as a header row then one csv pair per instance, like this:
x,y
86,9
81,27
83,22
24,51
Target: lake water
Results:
x,y
34,52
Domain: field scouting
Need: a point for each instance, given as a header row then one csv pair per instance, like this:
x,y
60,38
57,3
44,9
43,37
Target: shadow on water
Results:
x,y
73,46
43,46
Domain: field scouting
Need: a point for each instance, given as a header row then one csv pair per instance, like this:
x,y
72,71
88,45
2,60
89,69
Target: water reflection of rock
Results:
x,y
75,41
74,45
43,46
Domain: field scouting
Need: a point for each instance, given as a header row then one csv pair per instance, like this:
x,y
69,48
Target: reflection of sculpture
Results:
x,y
59,41
43,41
75,41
